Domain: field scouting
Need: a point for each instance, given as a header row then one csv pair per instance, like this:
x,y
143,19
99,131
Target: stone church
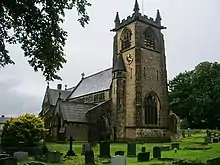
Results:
x,y
127,102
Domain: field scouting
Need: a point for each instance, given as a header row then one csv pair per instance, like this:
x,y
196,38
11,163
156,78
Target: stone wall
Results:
x,y
77,131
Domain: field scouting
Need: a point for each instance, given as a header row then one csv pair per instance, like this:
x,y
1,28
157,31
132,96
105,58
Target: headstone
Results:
x,y
119,153
86,147
165,148
131,149
189,132
215,140
70,151
175,150
143,157
89,157
53,157
215,161
175,145
156,152
104,149
119,160
143,149
9,161
20,155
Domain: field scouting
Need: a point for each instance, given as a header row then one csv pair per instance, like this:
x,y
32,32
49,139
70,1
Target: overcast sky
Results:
x,y
192,36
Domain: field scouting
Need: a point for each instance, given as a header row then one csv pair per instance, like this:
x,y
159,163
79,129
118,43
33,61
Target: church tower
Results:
x,y
139,86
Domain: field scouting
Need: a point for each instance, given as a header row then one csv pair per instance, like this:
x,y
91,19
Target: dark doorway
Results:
x,y
102,129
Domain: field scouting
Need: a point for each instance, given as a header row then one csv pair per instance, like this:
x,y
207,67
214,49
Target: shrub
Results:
x,y
26,128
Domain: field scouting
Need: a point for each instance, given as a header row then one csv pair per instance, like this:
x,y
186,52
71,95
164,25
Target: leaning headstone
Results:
x,y
53,157
9,161
131,149
119,153
156,152
143,157
175,145
20,155
86,147
104,150
89,158
119,160
143,149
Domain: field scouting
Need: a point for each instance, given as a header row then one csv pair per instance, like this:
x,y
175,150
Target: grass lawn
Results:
x,y
194,141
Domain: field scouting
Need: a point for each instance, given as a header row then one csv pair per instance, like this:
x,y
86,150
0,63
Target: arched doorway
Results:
x,y
103,128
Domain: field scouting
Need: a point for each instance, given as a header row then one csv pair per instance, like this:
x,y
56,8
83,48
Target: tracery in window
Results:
x,y
151,109
150,38
126,39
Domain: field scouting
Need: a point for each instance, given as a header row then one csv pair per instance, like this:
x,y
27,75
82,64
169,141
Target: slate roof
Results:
x,y
53,95
74,112
94,83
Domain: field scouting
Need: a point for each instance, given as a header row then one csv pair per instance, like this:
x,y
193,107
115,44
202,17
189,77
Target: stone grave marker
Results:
x,y
119,160
165,148
104,149
122,153
143,157
215,140
70,151
131,149
156,152
175,145
8,161
53,157
143,149
89,158
86,147
189,132
20,155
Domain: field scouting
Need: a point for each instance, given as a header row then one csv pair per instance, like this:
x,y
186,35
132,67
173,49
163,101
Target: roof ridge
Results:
x,y
97,73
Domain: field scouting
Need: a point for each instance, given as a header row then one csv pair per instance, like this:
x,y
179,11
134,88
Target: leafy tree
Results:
x,y
35,24
195,95
26,128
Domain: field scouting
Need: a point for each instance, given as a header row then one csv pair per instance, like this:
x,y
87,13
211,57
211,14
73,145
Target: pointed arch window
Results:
x,y
149,38
126,39
151,109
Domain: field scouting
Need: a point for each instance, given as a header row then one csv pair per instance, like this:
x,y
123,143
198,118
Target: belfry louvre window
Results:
x,y
126,39
149,38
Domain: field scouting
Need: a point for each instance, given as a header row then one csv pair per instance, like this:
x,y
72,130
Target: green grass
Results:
x,y
194,141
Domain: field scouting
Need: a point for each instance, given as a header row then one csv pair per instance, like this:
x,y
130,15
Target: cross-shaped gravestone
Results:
x,y
71,152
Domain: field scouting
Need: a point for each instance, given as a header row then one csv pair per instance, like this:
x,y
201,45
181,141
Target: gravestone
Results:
x,y
156,152
104,149
143,157
175,145
215,140
119,153
70,151
89,158
20,155
53,157
131,149
143,149
8,161
86,147
119,160
215,161
189,132
165,148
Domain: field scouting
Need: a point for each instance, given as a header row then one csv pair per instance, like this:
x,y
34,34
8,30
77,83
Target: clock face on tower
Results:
x,y
129,58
